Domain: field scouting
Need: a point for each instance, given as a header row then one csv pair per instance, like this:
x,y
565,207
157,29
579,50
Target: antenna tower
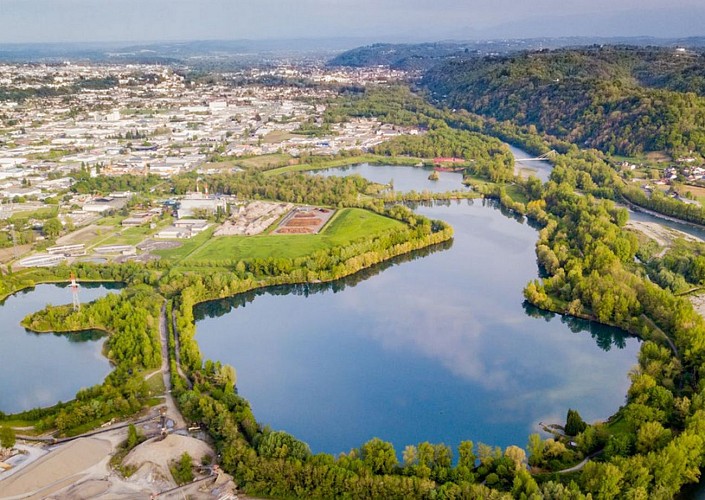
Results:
x,y
74,293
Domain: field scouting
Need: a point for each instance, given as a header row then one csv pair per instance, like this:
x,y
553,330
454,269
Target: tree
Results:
x,y
574,424
517,455
133,437
52,228
379,456
536,448
7,437
182,471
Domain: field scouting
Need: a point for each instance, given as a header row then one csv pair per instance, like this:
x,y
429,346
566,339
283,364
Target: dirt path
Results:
x,y
172,410
177,353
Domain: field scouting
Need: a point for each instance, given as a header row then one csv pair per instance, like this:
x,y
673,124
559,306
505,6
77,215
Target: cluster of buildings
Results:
x,y
140,119
63,122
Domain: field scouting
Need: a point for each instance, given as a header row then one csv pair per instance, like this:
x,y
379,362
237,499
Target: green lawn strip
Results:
x,y
187,246
348,225
517,193
156,384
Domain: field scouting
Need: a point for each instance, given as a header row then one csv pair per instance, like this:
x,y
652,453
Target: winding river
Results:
x,y
440,348
42,369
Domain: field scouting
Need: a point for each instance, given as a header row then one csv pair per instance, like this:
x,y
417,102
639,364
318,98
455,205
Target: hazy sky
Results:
x,y
144,20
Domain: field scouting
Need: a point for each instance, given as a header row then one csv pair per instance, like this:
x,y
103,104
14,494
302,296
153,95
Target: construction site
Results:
x,y
304,220
252,218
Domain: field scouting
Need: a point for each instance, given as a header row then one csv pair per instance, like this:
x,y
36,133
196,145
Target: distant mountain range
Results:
x,y
253,52
423,56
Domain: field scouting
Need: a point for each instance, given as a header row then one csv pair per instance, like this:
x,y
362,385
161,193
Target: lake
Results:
x,y
440,348
403,178
42,369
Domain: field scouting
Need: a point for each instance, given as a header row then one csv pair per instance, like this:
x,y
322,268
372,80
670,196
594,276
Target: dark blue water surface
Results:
x,y
438,346
42,369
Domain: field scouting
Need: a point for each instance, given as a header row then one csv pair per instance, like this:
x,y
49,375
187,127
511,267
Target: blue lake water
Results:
x,y
437,348
42,369
403,179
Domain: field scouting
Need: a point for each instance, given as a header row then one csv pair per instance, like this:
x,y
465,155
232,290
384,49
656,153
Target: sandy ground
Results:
x,y
158,454
664,236
698,302
56,469
81,470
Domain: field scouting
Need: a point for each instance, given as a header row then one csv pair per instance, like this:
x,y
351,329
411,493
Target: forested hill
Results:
x,y
420,56
618,99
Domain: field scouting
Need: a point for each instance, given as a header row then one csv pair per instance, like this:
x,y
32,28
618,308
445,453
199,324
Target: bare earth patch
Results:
x,y
58,469
662,235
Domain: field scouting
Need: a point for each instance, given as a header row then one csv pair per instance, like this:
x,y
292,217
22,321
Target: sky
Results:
x,y
30,21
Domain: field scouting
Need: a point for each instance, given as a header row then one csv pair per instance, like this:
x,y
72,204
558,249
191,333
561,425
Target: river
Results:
x,y
440,348
539,168
42,369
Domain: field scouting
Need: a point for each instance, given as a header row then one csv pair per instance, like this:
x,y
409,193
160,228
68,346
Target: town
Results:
x,y
61,121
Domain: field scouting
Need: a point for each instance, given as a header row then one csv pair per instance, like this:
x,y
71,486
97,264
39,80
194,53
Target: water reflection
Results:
x,y
605,336
217,308
437,349
402,178
41,369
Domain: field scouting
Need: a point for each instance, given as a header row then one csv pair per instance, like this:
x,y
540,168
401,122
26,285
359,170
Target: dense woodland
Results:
x,y
401,56
621,100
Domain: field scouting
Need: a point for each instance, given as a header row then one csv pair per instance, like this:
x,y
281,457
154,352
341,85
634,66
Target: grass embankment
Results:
x,y
347,225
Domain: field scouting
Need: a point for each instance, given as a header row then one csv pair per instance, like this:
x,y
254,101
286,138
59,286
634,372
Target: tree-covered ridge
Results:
x,y
601,97
399,56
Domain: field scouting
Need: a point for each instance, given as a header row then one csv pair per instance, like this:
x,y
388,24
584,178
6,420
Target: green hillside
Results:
x,y
620,100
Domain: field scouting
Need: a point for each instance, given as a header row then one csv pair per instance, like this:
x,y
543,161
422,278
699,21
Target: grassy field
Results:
x,y
277,136
517,193
263,161
40,213
134,235
347,225
697,192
